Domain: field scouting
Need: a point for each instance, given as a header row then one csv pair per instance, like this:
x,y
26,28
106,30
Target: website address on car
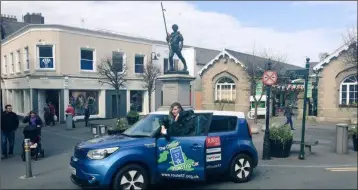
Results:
x,y
182,176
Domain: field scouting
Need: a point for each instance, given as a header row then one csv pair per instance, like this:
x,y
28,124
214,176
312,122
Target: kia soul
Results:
x,y
141,156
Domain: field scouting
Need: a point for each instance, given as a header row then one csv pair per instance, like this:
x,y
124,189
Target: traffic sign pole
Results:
x,y
302,148
269,78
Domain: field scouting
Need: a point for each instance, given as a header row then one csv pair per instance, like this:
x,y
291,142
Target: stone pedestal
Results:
x,y
176,88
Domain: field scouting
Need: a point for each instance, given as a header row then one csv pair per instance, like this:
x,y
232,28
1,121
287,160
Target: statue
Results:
x,y
175,40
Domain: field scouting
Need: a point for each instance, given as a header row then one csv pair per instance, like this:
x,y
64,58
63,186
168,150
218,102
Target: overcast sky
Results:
x,y
295,29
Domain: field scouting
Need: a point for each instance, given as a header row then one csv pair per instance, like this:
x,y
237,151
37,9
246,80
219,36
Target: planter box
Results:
x,y
355,142
115,131
280,150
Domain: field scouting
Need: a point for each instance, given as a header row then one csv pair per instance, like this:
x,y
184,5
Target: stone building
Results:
x,y
337,87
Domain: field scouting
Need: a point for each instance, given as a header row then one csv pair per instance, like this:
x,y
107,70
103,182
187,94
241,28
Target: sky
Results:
x,y
294,29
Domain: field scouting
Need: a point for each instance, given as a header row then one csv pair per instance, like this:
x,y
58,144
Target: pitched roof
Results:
x,y
203,56
328,59
10,27
246,61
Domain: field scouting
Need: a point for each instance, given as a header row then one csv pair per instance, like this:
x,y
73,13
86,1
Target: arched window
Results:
x,y
225,89
349,91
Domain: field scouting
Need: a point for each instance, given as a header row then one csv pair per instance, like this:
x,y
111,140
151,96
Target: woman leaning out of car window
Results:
x,y
180,122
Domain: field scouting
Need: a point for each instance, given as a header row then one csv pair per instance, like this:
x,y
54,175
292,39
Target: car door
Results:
x,y
184,157
223,128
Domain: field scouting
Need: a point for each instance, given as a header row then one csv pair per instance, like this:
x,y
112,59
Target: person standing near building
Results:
x,y
9,124
289,114
87,115
52,113
71,110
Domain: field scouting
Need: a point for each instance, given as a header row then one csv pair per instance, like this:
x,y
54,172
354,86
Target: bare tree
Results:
x,y
350,39
255,71
112,72
150,73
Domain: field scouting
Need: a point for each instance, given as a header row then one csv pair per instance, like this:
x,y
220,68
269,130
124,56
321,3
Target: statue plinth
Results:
x,y
176,88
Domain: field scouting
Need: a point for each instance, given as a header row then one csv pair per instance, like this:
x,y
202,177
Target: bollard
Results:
x,y
69,124
341,145
103,130
28,158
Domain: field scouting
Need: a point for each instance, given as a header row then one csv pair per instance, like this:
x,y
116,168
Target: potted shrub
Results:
x,y
132,117
280,140
120,127
353,133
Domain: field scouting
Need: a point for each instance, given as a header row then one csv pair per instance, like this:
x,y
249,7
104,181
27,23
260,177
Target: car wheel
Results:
x,y
241,169
131,177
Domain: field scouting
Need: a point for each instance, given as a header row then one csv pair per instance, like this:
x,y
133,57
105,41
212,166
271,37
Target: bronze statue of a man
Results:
x,y
175,40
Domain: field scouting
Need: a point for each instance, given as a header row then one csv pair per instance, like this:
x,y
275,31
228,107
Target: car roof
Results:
x,y
239,115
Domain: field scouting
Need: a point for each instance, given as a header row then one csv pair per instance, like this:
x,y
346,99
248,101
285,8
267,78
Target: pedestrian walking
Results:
x,y
9,124
289,114
52,113
47,116
87,115
71,110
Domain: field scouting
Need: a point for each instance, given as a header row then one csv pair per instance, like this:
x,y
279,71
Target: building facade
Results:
x,y
58,64
337,88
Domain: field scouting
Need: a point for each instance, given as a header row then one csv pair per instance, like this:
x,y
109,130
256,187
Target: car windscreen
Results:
x,y
145,127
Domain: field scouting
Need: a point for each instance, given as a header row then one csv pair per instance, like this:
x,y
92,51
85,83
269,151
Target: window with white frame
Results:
x,y
17,61
225,89
139,63
26,59
4,65
45,56
87,61
12,65
349,91
117,60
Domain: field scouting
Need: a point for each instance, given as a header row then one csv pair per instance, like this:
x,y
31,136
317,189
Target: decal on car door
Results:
x,y
213,149
179,161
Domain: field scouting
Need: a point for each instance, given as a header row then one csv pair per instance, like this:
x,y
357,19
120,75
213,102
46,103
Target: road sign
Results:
x,y
258,88
269,78
309,90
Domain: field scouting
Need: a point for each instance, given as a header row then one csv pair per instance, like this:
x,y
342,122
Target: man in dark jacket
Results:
x,y
289,114
9,124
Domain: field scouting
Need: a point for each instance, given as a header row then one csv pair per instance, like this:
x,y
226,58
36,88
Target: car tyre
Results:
x,y
131,177
241,168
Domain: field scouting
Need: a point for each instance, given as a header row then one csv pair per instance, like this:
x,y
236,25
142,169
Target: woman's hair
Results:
x,y
175,104
32,112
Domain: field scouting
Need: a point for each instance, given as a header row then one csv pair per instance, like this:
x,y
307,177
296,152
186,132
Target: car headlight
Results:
x,y
100,154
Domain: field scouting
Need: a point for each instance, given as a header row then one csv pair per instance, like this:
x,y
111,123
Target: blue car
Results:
x,y
141,156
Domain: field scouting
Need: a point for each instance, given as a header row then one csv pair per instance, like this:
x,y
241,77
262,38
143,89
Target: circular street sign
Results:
x,y
269,78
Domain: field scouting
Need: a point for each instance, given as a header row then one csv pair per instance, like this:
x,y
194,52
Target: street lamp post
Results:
x,y
302,148
266,147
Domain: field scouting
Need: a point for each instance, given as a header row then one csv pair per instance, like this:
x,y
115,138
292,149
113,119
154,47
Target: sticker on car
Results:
x,y
213,141
213,150
213,157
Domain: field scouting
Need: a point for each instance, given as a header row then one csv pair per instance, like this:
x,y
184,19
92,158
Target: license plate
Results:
x,y
73,170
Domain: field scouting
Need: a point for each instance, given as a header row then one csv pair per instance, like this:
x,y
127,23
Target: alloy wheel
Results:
x,y
132,180
242,168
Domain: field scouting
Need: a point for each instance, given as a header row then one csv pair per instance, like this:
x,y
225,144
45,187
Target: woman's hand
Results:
x,y
163,130
176,117
38,126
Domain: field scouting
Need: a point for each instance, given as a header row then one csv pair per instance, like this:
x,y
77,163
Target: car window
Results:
x,y
222,123
198,125
147,126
